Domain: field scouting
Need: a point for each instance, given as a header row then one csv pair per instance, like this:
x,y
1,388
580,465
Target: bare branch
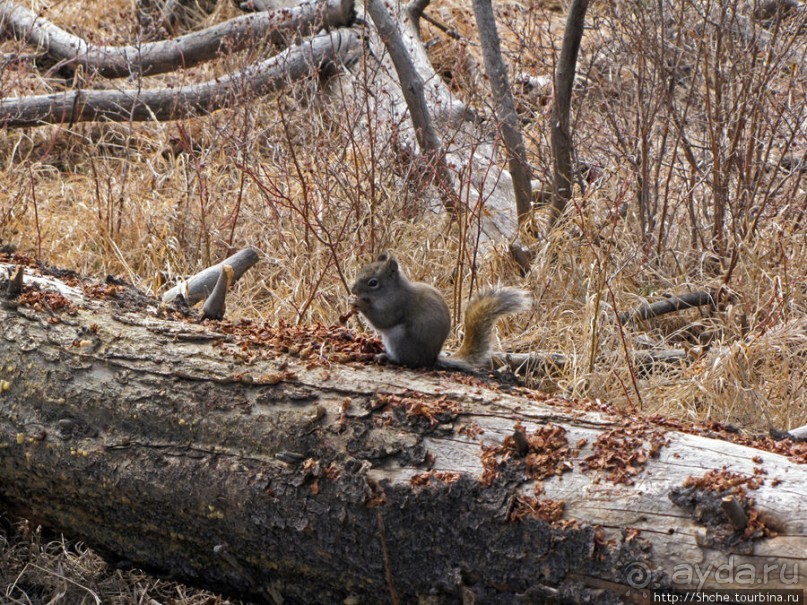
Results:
x,y
668,305
340,46
561,135
415,9
168,55
505,107
413,91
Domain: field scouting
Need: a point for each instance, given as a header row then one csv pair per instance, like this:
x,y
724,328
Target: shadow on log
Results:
x,y
275,463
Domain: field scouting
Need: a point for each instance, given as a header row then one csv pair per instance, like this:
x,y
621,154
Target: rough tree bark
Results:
x,y
204,452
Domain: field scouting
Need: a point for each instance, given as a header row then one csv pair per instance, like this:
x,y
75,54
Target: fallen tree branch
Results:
x,y
551,364
670,304
185,51
140,105
799,433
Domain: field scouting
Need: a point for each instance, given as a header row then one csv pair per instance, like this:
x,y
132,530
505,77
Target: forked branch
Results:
x,y
412,88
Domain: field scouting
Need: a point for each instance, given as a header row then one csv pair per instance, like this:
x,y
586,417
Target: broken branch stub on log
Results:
x,y
201,285
185,51
206,453
215,306
140,105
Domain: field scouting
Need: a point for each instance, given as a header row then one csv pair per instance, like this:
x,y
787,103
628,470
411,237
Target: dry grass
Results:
x,y
36,568
319,185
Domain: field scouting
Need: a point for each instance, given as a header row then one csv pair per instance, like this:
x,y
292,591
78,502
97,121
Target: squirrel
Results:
x,y
414,321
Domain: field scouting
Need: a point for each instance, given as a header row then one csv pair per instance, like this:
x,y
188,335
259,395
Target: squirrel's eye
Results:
x,y
372,282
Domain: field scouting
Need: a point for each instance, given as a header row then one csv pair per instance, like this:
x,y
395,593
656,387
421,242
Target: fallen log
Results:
x,y
152,58
275,463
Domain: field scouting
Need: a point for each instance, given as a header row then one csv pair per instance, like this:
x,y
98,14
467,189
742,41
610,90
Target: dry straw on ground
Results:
x,y
697,146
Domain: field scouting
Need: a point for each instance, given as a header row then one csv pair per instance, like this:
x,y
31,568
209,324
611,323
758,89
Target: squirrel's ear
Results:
x,y
390,264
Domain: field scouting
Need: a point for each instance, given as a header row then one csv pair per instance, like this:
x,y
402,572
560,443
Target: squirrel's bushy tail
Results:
x,y
483,311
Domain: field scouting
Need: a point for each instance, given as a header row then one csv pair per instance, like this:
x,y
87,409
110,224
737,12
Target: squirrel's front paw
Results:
x,y
381,358
355,303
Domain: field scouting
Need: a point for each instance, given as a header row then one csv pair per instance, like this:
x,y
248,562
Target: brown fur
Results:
x,y
483,311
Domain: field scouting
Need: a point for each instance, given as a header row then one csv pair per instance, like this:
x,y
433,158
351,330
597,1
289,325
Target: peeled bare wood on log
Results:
x,y
310,57
800,432
307,480
185,51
